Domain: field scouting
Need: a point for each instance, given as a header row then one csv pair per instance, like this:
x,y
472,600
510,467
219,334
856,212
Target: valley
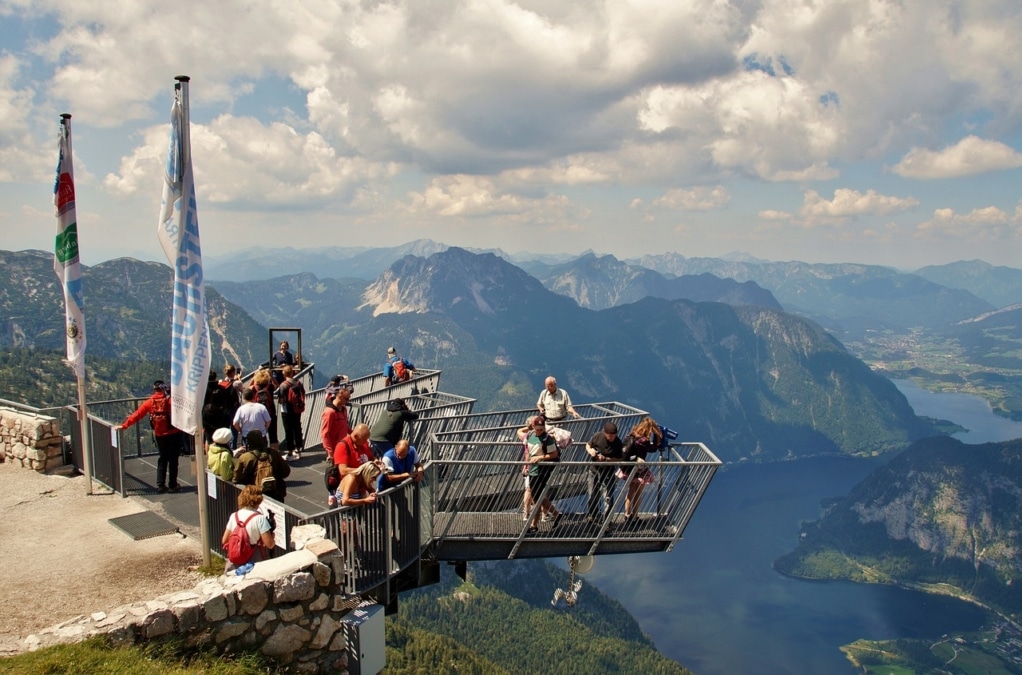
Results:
x,y
940,363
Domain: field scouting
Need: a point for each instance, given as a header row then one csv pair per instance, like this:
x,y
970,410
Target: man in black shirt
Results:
x,y
604,447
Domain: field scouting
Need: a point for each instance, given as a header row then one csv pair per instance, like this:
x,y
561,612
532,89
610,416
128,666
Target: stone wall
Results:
x,y
290,609
31,441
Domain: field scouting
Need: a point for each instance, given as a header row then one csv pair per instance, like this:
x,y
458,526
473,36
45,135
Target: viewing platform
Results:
x,y
469,505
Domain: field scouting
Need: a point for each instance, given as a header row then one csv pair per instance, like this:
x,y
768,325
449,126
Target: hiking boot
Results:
x,y
175,488
161,488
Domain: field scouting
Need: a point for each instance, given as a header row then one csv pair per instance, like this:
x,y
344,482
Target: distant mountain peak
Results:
x,y
451,279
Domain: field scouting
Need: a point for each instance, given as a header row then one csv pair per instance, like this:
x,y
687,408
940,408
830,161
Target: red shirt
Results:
x,y
333,427
346,453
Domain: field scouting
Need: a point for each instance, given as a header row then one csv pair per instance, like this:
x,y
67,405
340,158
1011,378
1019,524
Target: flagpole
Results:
x,y
200,450
68,267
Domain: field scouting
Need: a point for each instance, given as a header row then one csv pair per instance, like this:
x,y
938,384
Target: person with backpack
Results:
x,y
248,537
263,467
540,450
397,368
390,427
251,416
291,395
220,458
334,424
265,389
232,381
169,440
352,452
217,410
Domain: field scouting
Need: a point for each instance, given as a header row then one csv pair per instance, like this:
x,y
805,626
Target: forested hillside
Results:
x,y
503,615
940,513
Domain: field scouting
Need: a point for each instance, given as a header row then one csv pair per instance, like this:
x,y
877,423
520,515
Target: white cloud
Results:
x,y
475,197
988,222
239,160
849,203
969,156
701,198
508,112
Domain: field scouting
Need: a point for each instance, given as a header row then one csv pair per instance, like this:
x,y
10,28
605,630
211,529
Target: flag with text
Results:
x,y
179,237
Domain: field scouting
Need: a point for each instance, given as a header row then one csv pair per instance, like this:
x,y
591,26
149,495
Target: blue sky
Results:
x,y
825,131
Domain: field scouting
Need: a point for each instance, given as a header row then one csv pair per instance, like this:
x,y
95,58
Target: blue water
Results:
x,y
971,412
716,605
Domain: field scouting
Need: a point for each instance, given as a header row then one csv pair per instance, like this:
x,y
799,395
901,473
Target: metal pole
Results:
x,y
83,420
200,451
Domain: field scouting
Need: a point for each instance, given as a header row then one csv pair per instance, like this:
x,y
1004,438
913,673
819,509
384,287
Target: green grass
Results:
x,y
96,657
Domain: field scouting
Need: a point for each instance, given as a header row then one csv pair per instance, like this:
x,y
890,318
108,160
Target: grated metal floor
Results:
x,y
143,525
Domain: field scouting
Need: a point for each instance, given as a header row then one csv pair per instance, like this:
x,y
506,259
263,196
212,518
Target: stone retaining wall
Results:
x,y
31,441
290,609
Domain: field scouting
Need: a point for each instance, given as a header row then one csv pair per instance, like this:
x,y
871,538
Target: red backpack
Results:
x,y
238,548
295,397
401,373
159,415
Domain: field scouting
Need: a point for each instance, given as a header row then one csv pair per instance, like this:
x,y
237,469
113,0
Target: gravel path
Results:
x,y
60,558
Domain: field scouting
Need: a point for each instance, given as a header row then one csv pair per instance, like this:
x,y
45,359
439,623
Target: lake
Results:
x,y
716,605
971,412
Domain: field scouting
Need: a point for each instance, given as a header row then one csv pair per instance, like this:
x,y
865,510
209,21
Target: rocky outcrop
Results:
x,y
30,440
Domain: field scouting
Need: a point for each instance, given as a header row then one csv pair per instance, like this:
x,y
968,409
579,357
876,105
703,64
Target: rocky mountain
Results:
x,y
128,305
942,512
1000,286
753,382
599,282
845,297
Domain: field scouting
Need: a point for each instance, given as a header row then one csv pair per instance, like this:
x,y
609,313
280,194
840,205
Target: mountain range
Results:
x,y
752,381
940,513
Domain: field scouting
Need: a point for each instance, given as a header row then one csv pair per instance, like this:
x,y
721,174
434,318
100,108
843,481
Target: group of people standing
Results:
x,y
367,459
605,450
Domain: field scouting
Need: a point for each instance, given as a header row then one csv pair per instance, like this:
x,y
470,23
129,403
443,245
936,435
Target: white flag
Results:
x,y
179,236
65,254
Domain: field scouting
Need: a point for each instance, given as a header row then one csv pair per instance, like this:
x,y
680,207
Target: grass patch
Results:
x,y
97,657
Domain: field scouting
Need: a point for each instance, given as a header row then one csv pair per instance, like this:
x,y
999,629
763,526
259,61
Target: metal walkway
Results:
x,y
468,506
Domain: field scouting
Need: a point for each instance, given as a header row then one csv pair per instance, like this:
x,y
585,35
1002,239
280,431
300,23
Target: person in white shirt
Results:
x,y
555,404
251,416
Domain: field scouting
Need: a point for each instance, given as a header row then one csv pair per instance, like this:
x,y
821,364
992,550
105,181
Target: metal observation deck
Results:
x,y
469,505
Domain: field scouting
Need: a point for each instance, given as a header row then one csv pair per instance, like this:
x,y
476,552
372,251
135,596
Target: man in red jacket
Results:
x,y
168,438
334,425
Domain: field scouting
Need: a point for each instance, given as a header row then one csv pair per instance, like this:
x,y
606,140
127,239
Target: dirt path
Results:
x,y
61,558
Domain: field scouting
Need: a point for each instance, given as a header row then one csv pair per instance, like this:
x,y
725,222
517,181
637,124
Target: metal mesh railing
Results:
x,y
479,500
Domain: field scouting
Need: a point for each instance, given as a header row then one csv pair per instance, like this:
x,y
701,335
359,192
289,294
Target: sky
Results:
x,y
872,131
